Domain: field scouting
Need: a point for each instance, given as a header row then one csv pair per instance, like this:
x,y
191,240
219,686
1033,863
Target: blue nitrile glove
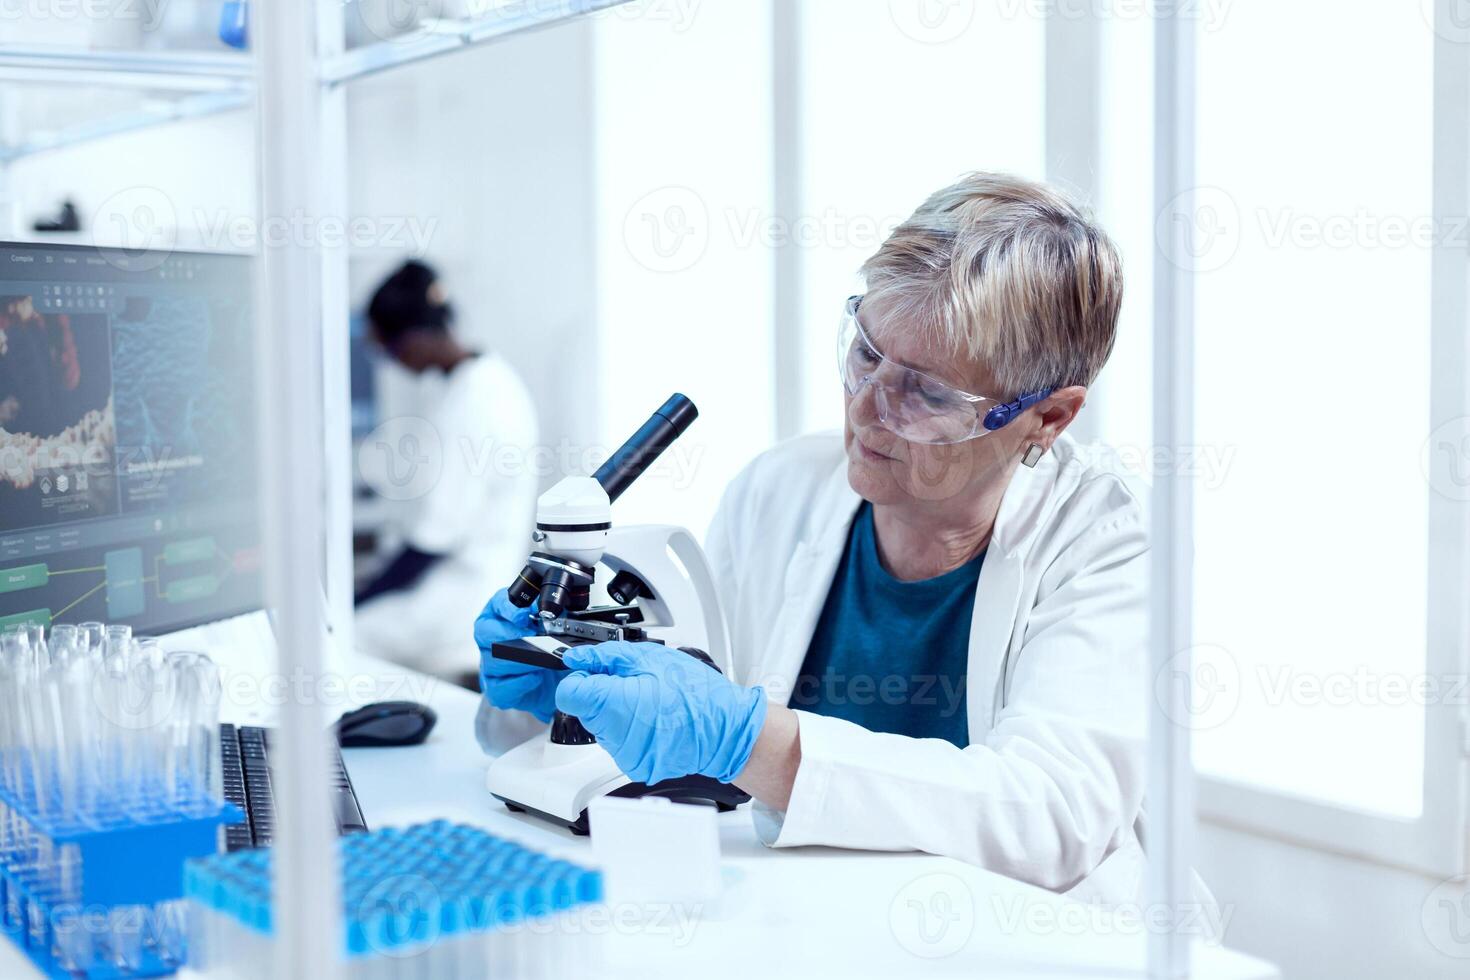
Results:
x,y
508,684
661,713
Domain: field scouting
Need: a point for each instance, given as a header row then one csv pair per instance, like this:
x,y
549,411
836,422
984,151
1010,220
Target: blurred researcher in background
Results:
x,y
465,530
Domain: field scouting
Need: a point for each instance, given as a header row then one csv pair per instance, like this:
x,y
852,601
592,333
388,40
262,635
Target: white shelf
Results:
x,y
444,36
221,81
191,106
184,70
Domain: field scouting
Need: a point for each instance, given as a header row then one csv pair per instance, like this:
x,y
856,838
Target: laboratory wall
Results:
x,y
497,194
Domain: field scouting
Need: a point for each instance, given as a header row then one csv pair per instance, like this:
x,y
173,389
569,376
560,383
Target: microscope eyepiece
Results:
x,y
646,445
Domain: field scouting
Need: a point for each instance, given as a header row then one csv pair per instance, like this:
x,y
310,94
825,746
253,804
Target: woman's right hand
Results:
x,y
506,683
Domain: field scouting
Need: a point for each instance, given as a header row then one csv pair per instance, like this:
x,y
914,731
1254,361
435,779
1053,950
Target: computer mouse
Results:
x,y
385,724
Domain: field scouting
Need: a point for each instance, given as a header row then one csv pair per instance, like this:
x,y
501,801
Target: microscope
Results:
x,y
656,586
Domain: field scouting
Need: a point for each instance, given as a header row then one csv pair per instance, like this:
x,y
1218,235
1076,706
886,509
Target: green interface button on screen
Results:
x,y
36,617
183,552
23,577
191,589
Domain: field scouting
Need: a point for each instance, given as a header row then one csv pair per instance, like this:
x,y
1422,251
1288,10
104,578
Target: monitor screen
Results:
x,y
127,437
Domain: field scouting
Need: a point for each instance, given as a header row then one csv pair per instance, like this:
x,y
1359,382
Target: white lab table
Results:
x,y
799,912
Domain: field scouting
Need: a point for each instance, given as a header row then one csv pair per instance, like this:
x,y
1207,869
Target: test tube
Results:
x,y
151,691
63,645
125,936
199,781
119,782
118,638
35,635
11,681
179,772
57,707
80,698
92,636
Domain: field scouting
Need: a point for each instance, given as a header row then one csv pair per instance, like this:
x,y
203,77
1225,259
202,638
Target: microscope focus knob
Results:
x,y
568,730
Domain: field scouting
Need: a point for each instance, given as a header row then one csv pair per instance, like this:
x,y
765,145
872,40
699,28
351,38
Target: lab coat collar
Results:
x,y
814,560
1024,506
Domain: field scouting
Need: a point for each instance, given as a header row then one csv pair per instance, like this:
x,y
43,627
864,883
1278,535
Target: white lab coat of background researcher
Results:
x,y
1050,788
477,510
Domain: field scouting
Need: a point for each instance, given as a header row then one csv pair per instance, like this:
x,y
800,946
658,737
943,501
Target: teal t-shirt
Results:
x,y
891,655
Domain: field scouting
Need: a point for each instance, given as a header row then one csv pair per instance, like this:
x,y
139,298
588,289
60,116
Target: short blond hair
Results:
x,y
1008,272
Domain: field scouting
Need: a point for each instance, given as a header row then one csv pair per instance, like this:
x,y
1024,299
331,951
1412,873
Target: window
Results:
x,y
1312,320
898,102
1325,279
683,170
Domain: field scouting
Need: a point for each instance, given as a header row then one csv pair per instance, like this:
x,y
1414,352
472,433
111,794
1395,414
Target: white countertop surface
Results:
x,y
798,912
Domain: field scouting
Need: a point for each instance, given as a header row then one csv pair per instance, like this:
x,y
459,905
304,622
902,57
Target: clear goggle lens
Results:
x,y
910,404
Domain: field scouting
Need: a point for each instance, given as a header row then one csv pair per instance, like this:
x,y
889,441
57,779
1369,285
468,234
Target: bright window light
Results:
x,y
684,267
1312,396
900,99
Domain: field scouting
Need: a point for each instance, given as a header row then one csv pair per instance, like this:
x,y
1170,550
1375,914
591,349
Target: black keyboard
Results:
x,y
245,752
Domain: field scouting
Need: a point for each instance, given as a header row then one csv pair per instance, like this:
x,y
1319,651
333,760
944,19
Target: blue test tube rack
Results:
x,y
130,859
403,890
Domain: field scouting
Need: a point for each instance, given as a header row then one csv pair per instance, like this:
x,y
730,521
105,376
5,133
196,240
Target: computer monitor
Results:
x,y
127,437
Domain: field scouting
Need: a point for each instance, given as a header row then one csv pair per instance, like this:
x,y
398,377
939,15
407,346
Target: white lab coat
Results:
x,y
476,514
1051,785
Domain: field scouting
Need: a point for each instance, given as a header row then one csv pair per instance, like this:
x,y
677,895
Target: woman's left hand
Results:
x,y
661,713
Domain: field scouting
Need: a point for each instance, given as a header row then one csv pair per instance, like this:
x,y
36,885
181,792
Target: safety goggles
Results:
x,y
911,404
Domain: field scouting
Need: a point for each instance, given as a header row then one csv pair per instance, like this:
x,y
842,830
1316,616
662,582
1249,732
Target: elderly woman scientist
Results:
x,y
938,617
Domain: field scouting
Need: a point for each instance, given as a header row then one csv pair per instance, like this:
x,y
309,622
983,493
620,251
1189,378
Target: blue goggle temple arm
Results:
x,y
1000,415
